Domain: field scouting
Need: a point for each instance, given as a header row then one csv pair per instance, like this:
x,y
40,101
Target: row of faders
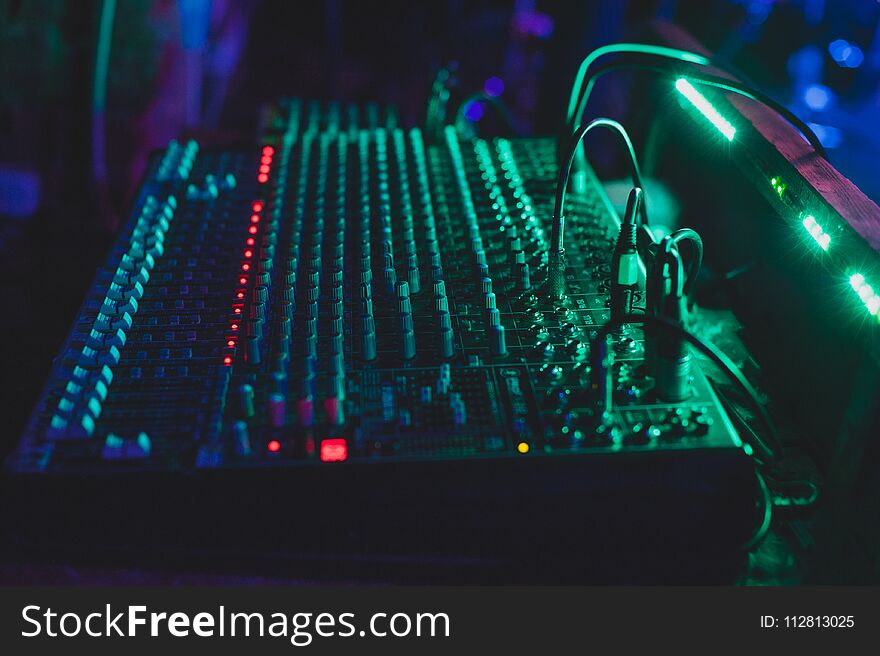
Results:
x,y
138,378
290,117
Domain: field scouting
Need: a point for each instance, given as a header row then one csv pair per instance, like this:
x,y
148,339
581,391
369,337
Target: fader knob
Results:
x,y
246,400
252,350
446,336
241,439
522,276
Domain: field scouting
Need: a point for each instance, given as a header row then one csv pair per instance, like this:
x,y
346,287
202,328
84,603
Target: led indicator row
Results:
x,y
265,164
257,208
778,186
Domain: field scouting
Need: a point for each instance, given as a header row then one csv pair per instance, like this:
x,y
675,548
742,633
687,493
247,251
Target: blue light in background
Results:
x,y
494,86
836,48
829,136
817,96
473,111
846,54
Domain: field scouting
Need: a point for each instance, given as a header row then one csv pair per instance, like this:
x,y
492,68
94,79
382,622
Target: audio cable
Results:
x,y
438,100
625,259
577,107
666,356
556,256
695,262
583,85
492,101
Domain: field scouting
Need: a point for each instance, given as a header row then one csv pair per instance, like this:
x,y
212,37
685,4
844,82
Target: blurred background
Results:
x,y
89,88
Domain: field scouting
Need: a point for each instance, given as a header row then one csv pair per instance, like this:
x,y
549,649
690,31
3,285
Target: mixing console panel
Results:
x,y
354,318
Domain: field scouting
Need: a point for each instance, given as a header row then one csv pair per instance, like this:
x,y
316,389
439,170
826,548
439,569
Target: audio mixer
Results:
x,y
338,343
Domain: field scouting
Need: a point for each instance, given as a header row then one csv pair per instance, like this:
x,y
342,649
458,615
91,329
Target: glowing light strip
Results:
x,y
869,297
822,238
686,89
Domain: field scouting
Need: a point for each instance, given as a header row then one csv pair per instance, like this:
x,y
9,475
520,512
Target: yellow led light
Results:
x,y
523,447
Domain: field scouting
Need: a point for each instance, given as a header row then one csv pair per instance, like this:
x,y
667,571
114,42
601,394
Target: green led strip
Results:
x,y
699,101
816,232
866,293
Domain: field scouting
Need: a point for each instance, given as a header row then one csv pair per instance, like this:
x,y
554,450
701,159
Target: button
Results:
x,y
305,412
277,410
333,410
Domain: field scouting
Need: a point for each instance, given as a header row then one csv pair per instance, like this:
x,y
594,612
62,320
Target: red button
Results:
x,y
334,450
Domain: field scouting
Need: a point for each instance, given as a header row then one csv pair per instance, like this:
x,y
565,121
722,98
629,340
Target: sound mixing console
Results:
x,y
338,343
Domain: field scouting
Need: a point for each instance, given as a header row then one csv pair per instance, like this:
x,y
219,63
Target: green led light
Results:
x,y
706,109
778,185
822,238
869,297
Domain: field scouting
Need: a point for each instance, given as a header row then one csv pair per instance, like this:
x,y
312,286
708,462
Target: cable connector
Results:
x,y
556,274
666,355
625,259
556,254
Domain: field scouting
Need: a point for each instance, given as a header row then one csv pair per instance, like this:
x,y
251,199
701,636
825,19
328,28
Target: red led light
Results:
x,y
334,450
274,446
257,206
